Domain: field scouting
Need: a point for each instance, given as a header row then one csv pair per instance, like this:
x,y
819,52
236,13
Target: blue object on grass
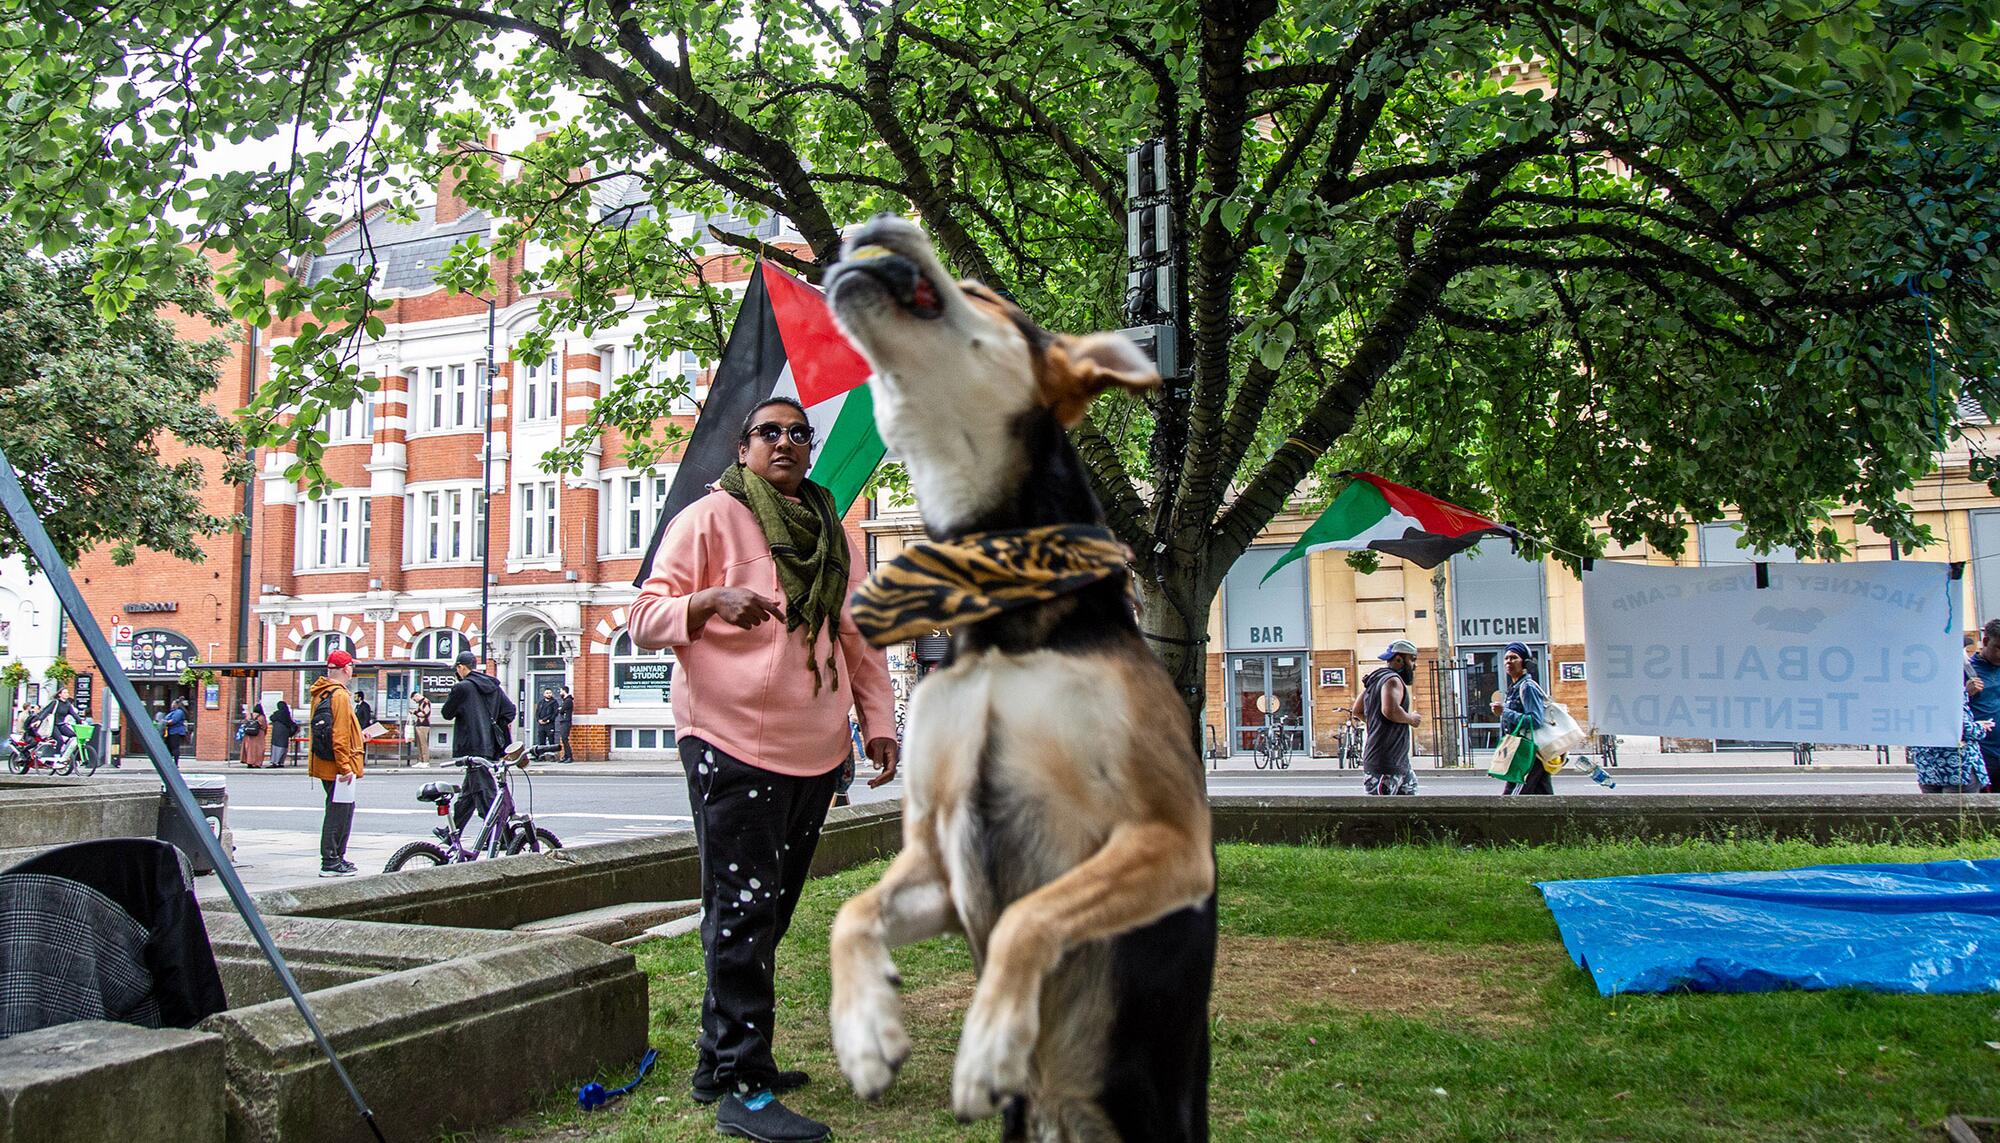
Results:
x,y
592,1096
1932,927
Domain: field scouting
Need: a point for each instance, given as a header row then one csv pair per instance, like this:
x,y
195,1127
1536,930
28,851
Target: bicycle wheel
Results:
x,y
417,855
64,763
542,842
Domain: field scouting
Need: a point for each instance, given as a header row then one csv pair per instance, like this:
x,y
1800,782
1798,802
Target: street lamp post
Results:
x,y
486,500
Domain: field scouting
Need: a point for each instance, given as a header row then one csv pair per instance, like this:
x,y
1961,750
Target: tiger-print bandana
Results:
x,y
936,584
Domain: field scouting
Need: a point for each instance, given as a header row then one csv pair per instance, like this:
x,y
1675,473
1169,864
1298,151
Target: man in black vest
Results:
x,y
1385,705
477,709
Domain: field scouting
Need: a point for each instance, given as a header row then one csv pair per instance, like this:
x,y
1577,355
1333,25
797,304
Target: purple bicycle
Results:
x,y
508,829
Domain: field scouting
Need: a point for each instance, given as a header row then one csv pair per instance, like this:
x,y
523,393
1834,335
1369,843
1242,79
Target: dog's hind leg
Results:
x,y
1143,872
910,903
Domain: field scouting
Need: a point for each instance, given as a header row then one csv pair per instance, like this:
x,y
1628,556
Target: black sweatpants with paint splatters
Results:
x,y
756,831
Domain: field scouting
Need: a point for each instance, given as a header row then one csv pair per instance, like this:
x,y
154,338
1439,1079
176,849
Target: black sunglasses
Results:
x,y
770,431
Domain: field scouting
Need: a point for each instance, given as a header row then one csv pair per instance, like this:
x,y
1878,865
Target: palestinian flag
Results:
x,y
1373,514
784,344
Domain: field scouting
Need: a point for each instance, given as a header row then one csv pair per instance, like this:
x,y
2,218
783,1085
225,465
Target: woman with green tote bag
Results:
x,y
1524,710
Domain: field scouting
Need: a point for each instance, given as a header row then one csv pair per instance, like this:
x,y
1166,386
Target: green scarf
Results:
x,y
810,550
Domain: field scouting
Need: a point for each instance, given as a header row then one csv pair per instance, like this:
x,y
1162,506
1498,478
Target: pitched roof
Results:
x,y
405,254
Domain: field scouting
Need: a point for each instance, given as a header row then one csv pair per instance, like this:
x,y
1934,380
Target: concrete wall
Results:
x,y
535,887
36,813
80,1083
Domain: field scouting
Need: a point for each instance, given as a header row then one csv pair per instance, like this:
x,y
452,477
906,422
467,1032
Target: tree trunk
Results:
x,y
1446,727
1173,614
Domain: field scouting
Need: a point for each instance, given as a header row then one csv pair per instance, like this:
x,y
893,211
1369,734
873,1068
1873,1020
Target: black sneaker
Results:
x,y
763,1118
337,869
780,1084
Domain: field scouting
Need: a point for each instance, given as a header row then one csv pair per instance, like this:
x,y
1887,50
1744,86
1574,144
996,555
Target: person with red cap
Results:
x,y
334,757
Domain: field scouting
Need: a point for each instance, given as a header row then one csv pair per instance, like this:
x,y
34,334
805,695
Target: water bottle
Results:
x,y
1602,777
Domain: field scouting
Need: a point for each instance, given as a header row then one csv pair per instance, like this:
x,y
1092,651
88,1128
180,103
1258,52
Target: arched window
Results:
x,y
320,644
639,676
441,645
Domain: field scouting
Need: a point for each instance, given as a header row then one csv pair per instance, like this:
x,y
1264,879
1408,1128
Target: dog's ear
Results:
x,y
1079,368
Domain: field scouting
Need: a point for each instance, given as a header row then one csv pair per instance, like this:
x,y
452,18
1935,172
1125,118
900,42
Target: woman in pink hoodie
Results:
x,y
750,590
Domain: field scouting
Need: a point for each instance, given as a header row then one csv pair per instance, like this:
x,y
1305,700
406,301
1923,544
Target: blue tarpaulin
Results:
x,y
1932,927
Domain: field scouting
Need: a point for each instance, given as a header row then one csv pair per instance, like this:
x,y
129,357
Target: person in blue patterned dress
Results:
x,y
1957,769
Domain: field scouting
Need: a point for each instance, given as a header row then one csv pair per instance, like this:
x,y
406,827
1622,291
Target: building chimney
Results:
x,y
450,207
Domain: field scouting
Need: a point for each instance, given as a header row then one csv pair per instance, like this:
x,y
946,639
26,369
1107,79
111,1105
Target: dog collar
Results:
x,y
944,583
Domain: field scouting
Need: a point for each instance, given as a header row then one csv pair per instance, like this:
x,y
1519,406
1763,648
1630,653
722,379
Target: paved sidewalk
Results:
x,y
1629,762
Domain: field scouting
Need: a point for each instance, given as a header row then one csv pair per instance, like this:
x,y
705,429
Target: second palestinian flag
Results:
x,y
784,344
1373,514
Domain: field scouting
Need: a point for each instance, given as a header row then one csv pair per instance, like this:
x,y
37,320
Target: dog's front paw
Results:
x,y
868,1036
993,1056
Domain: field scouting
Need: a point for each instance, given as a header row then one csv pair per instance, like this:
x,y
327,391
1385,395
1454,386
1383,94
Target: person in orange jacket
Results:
x,y
334,758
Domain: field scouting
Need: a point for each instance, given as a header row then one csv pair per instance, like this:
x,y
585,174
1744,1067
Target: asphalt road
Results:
x,y
276,816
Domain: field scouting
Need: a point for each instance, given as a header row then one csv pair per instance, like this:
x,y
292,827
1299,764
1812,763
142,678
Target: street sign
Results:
x,y
121,634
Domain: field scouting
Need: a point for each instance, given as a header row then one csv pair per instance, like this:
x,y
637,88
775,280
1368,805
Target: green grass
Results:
x,y
1412,993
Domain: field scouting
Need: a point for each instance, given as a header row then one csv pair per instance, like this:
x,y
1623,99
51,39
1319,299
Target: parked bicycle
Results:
x,y
1273,744
507,830
1348,747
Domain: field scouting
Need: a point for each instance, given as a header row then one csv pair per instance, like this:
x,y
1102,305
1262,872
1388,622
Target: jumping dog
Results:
x,y
1055,812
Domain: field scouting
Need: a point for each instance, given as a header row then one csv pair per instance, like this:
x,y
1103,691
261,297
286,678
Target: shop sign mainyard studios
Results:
x,y
1837,653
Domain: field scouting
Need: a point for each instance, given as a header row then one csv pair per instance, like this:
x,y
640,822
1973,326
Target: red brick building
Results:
x,y
389,565
181,611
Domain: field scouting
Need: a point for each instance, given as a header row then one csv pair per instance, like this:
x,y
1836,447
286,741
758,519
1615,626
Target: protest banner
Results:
x,y
1864,654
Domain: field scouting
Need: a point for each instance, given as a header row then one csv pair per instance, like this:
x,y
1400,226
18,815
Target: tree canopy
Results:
x,y
1629,261
90,404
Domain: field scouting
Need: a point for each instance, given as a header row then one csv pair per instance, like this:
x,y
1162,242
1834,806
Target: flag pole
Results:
x,y
29,524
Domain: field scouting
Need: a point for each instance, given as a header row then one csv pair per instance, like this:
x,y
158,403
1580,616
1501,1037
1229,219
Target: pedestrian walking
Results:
x,y
284,728
334,756
751,592
565,720
254,726
175,727
1524,709
479,712
1959,769
1982,669
545,717
1384,707
420,727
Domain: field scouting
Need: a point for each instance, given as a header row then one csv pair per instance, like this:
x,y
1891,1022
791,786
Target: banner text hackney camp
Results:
x,y
1837,653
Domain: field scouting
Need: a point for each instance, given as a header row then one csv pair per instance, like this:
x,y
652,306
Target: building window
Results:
x,y
355,423
682,368
540,398
1722,543
537,521
335,532
453,398
635,502
446,525
639,676
439,646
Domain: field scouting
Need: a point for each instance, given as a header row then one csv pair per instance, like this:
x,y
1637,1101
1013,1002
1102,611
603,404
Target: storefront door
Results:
x,y
1485,681
1252,677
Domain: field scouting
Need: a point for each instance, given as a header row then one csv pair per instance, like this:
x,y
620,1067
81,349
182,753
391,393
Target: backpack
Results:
x,y
322,728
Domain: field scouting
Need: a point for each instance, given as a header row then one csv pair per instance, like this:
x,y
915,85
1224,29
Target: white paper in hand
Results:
x,y
343,792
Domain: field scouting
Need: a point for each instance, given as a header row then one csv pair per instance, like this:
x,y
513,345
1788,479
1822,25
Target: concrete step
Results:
x,y
614,924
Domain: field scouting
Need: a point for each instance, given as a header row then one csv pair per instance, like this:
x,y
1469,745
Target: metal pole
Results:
x,y
486,500
15,500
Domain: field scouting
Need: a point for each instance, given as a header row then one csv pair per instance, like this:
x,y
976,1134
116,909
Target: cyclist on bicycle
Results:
x,y
59,719
480,713
1384,703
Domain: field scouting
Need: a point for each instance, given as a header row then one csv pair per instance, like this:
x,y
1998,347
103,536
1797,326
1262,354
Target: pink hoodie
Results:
x,y
749,693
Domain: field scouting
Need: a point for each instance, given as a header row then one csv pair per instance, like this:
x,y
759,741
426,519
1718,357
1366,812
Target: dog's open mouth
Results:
x,y
904,282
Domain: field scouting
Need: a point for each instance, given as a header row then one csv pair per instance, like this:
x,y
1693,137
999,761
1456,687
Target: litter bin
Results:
x,y
211,795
